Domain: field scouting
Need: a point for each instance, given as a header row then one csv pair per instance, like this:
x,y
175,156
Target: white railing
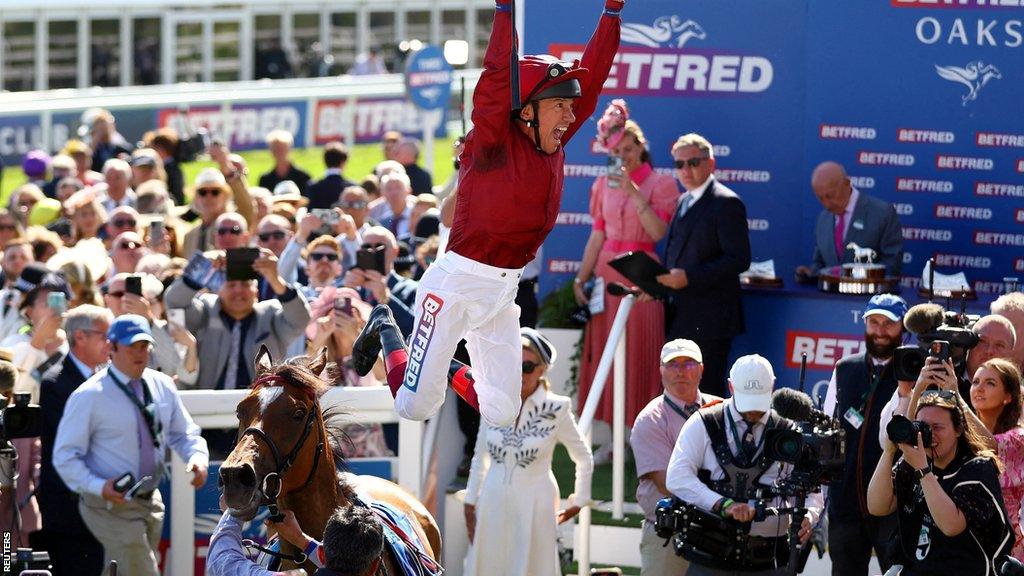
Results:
x,y
614,354
216,409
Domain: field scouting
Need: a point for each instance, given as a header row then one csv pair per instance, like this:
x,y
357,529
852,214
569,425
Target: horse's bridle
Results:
x,y
270,485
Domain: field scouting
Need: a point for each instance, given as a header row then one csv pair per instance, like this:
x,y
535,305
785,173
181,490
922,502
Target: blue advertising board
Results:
x,y
428,78
913,97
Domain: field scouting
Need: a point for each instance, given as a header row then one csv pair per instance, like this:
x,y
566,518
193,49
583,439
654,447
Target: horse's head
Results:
x,y
281,434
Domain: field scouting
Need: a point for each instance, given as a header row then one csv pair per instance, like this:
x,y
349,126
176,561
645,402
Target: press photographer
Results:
x,y
19,459
717,469
860,386
944,488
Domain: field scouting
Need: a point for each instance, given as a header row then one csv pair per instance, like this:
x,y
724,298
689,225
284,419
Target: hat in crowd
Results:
x,y
889,305
31,276
73,147
45,211
35,164
89,252
128,329
548,354
63,162
679,347
288,191
143,161
211,177
752,380
544,76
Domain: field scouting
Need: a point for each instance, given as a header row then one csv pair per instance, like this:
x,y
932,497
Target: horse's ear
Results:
x,y
263,361
319,362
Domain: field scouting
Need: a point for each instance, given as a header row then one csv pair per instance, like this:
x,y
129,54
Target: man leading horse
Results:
x,y
510,190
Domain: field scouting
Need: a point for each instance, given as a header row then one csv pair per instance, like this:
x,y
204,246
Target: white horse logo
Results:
x,y
666,32
975,75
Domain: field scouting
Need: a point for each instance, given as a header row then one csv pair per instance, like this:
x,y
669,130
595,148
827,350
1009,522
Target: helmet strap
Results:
x,y
536,124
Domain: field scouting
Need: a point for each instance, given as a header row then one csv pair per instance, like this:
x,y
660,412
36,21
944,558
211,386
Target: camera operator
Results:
x,y
860,386
717,466
945,491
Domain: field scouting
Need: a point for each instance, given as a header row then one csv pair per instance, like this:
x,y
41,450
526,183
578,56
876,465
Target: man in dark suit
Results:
x,y
326,191
708,247
851,216
73,549
280,143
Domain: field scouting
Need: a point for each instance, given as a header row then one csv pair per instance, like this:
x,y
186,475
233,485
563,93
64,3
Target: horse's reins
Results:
x,y
270,485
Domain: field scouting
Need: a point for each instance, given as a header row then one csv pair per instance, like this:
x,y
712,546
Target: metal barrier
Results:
x,y
216,409
614,352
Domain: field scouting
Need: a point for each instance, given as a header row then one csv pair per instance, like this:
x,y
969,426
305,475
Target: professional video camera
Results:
x,y
932,323
816,450
20,420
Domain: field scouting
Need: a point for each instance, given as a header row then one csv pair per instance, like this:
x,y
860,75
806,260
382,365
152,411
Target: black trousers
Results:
x,y
70,554
716,365
851,540
526,299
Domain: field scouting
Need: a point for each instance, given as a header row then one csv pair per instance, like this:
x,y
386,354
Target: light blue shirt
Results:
x,y
226,558
97,438
85,370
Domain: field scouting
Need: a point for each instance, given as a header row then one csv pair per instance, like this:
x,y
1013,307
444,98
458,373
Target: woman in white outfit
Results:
x,y
512,501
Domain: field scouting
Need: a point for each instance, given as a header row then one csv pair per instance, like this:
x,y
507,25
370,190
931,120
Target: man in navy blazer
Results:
x,y
73,549
708,247
851,216
325,192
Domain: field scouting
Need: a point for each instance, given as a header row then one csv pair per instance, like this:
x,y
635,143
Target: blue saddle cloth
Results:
x,y
403,541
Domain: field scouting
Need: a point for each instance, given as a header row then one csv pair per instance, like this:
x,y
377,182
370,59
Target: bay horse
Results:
x,y
282,412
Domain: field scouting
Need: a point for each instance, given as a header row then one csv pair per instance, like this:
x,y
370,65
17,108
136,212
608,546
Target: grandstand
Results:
x,y
49,44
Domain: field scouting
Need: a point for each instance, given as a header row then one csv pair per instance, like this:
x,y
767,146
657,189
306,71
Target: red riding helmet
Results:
x,y
544,76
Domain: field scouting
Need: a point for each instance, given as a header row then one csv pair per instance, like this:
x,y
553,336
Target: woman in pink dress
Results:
x,y
631,211
996,396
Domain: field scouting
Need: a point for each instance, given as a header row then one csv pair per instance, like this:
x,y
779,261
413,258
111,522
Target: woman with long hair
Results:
x,y
87,215
996,397
631,207
512,501
945,492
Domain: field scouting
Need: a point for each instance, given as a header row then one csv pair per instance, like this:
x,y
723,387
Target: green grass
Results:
x,y
601,486
362,159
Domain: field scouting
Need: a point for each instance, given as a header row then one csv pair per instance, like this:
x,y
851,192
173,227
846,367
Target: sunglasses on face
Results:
x,y
357,205
268,236
204,192
116,294
318,256
7,227
529,367
369,246
692,162
124,223
233,230
130,245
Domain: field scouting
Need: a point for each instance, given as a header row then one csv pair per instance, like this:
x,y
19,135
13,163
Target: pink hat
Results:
x,y
612,125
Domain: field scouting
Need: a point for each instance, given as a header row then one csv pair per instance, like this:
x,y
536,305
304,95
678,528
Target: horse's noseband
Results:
x,y
270,484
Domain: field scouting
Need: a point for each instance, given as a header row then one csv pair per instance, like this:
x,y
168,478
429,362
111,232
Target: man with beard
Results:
x,y
860,386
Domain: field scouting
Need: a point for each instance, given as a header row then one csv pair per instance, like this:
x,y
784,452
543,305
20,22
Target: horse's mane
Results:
x,y
296,374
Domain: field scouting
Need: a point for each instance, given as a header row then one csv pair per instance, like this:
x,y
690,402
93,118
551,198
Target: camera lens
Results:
x,y
786,445
901,430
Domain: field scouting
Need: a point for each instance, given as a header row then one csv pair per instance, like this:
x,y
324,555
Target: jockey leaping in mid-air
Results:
x,y
510,190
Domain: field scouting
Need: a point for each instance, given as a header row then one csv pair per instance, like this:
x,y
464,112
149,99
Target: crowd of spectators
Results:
x,y
104,231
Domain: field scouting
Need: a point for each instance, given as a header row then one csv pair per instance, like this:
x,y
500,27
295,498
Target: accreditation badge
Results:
x,y
854,417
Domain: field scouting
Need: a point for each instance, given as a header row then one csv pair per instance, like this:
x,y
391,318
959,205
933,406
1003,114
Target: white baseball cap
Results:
x,y
679,347
752,381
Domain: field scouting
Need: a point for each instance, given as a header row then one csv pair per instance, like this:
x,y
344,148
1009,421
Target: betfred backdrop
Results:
x,y
915,97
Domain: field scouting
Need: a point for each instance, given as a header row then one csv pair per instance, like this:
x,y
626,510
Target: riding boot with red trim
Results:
x,y
379,326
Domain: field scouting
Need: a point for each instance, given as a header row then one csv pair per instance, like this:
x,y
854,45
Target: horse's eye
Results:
x,y
299,414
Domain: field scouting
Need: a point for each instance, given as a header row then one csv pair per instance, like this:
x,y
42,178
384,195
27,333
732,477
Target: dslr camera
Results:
x,y
902,430
932,324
